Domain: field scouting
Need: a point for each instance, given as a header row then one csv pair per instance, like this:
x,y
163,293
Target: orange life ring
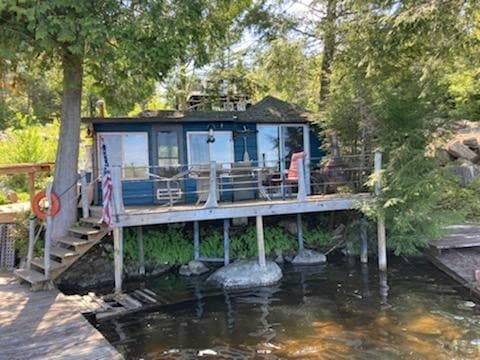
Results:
x,y
39,198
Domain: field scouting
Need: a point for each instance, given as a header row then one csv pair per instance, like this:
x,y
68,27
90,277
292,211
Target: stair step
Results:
x,y
62,252
31,276
73,241
82,230
92,220
54,265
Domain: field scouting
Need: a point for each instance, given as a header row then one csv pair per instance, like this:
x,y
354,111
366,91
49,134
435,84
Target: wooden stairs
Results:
x,y
66,251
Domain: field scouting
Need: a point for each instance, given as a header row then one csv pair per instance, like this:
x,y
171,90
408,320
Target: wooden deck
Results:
x,y
46,325
458,255
9,213
151,215
459,236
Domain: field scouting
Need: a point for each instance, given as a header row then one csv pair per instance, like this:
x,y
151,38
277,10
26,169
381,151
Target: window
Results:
x,y
277,143
200,152
167,148
129,150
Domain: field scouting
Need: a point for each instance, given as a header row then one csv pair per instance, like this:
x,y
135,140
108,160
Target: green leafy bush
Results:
x,y
318,237
28,144
168,245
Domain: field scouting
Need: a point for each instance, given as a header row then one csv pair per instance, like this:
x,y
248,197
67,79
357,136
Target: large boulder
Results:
x,y
309,257
194,267
246,274
467,172
459,150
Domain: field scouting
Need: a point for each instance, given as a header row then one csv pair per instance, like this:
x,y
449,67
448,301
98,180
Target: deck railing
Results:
x,y
209,184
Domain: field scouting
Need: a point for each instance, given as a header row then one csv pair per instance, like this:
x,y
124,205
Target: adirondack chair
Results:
x,y
171,191
291,178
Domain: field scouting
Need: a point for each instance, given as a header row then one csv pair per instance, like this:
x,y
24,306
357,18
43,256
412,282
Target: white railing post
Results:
x,y
31,240
302,189
48,232
84,192
212,189
116,172
381,235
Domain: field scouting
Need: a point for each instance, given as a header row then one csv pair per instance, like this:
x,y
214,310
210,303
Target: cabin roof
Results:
x,y
268,110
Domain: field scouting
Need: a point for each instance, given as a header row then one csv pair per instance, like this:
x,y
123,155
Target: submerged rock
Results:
x,y
194,267
247,273
309,257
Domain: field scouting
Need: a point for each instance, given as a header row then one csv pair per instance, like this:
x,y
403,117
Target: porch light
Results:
x,y
211,134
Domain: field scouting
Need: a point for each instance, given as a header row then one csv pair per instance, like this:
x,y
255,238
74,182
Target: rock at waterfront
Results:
x,y
278,254
246,273
194,268
309,257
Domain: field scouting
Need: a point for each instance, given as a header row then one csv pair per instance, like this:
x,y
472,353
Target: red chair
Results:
x,y
292,175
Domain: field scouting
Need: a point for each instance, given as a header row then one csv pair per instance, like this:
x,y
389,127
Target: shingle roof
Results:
x,y
268,110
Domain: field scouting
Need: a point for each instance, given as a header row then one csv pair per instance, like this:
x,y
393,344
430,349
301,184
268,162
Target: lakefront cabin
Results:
x,y
165,155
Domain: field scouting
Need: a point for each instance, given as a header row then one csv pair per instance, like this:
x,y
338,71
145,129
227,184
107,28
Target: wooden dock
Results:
x,y
46,325
458,255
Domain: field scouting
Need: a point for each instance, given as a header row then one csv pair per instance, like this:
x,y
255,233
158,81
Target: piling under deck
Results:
x,y
46,325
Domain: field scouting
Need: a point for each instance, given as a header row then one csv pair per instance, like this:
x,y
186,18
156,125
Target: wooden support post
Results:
x,y
31,240
48,233
117,192
212,189
382,243
141,251
196,240
31,187
300,232
118,257
302,189
84,192
260,242
363,241
226,241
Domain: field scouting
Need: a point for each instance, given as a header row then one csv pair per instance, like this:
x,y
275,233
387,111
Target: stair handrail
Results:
x,y
48,232
32,239
84,194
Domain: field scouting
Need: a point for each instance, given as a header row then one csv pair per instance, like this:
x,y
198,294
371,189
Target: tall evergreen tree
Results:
x,y
143,39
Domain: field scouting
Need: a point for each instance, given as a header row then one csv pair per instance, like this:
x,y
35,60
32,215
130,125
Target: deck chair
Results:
x,y
292,175
172,192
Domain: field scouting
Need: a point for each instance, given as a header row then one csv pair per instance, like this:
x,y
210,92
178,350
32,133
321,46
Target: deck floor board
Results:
x,y
458,255
46,325
459,236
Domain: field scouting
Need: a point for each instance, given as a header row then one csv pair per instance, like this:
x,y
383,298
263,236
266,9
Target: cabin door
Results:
x,y
168,153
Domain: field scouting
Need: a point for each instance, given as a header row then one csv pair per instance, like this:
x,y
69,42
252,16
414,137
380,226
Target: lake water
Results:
x,y
338,311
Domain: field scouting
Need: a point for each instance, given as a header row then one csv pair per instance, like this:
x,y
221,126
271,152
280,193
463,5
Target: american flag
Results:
x,y
106,189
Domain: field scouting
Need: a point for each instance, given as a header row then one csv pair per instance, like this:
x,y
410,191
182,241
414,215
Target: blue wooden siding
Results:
x,y
141,192
316,153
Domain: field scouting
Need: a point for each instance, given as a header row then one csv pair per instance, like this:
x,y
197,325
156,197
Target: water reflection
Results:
x,y
339,311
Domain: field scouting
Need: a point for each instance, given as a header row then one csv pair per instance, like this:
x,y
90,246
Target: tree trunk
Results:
x,y
328,52
66,164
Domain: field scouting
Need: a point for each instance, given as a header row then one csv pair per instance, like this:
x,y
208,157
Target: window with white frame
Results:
x,y
201,152
128,150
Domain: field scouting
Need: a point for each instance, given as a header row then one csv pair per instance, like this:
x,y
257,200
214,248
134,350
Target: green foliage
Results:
x,y
318,237
175,245
169,245
3,198
211,242
28,143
